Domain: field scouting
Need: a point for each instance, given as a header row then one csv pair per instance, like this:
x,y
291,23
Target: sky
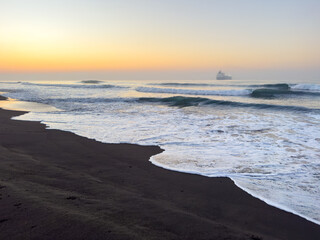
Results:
x,y
167,39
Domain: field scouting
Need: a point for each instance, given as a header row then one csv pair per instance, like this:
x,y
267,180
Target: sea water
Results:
x,y
265,136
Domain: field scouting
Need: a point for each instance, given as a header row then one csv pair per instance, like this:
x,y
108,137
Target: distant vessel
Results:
x,y
223,76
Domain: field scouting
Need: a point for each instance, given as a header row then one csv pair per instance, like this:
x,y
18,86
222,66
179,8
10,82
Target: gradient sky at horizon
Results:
x,y
41,37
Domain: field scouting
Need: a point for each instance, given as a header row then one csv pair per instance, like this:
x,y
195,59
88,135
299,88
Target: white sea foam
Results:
x,y
308,87
242,92
272,155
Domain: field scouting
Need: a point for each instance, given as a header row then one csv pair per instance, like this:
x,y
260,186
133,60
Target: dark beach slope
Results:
x,y
57,185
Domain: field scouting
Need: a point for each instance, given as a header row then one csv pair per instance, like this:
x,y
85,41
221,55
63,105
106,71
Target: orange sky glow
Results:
x,y
94,35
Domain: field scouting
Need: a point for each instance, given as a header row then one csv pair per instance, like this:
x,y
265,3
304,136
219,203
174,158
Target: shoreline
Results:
x,y
26,106
270,203
55,178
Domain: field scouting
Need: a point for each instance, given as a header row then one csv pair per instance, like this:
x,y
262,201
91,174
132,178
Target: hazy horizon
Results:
x,y
69,40
270,75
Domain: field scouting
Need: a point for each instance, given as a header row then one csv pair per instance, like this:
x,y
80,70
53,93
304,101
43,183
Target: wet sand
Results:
x,y
57,185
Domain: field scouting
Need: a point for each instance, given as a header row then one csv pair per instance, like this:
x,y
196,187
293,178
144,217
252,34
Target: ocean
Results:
x,y
265,136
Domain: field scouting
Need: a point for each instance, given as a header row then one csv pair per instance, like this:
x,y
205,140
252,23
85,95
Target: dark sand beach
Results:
x,y
57,185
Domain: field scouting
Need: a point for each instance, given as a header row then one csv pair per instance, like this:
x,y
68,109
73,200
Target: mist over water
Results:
x,y
263,135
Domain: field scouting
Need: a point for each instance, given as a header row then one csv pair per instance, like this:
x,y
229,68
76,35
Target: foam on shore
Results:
x,y
267,201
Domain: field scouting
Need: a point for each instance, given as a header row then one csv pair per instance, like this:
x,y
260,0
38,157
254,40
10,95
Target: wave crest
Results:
x,y
181,101
282,86
242,92
308,87
73,85
91,81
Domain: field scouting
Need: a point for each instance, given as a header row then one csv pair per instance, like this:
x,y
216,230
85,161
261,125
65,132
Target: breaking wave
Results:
x,y
180,101
277,85
306,87
272,93
176,101
242,92
283,86
269,91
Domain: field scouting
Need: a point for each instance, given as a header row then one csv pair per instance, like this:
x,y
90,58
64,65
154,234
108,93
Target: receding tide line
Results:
x,y
271,203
